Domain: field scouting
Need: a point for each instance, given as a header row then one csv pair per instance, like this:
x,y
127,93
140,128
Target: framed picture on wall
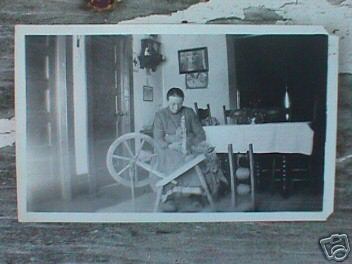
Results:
x,y
196,80
193,60
147,93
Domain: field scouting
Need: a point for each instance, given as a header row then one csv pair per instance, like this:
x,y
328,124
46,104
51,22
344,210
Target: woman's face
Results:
x,y
175,104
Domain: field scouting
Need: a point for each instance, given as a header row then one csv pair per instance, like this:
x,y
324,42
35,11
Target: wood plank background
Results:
x,y
288,242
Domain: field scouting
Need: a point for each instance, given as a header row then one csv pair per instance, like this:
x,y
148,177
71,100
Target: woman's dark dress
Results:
x,y
166,125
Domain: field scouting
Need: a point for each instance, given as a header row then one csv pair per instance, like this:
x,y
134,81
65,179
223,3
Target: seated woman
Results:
x,y
180,135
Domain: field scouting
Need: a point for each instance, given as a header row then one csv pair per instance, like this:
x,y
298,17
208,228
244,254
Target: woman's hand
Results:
x,y
176,146
173,138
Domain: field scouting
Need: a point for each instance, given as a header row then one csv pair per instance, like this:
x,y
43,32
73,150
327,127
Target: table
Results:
x,y
285,138
288,137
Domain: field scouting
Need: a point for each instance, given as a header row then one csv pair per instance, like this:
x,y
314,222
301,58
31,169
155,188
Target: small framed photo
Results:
x,y
196,80
193,60
147,93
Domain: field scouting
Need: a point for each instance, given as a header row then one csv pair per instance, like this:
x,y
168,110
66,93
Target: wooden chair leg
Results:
x,y
273,174
232,177
310,175
132,178
258,176
158,197
205,186
251,168
284,178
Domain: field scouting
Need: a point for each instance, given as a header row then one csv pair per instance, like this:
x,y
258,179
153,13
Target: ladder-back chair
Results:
x,y
242,176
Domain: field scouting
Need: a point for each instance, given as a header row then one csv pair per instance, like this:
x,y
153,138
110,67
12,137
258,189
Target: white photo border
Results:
x,y
21,31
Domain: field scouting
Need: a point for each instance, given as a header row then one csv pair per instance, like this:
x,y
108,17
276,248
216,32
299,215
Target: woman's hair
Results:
x,y
175,92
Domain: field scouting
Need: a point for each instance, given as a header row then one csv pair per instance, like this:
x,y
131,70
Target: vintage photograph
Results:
x,y
99,140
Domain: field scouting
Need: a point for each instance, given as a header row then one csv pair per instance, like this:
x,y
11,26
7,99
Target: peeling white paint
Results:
x,y
337,19
7,132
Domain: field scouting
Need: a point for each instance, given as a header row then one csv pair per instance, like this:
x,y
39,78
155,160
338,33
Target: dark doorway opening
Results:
x,y
266,67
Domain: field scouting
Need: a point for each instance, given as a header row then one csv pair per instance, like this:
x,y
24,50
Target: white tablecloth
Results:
x,y
289,137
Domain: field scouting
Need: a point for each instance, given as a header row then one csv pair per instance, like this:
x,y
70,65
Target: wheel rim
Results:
x,y
131,158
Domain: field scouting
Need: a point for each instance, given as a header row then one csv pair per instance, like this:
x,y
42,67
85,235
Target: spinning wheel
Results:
x,y
134,157
131,158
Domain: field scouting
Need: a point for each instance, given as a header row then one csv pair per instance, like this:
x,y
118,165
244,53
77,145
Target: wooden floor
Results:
x,y
117,198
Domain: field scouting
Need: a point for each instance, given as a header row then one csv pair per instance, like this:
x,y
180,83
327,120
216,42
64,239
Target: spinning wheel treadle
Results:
x,y
131,158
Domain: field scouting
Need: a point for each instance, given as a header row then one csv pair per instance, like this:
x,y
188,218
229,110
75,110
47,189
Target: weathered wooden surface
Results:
x,y
157,243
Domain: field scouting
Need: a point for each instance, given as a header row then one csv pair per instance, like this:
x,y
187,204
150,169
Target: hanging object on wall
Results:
x,y
102,5
196,80
150,56
148,93
193,60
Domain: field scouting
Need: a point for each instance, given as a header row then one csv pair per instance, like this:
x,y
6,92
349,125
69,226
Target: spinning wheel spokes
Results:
x,y
149,169
128,148
140,149
121,157
132,158
123,170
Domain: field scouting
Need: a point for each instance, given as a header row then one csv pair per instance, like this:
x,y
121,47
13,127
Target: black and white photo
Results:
x,y
175,123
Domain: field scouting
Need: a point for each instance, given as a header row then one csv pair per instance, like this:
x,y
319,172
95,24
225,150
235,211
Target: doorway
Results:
x,y
266,68
110,100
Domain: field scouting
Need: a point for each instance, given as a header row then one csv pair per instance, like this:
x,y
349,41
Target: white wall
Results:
x,y
217,92
144,111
